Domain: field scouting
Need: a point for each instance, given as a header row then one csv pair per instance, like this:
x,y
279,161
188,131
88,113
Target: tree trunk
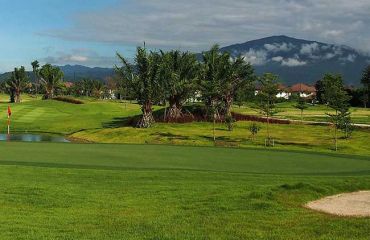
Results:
x,y
17,96
147,119
229,117
175,111
301,117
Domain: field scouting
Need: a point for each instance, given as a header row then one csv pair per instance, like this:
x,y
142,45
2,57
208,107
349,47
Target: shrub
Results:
x,y
68,100
254,128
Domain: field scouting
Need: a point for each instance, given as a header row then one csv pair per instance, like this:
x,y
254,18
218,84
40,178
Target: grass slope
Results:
x,y
111,191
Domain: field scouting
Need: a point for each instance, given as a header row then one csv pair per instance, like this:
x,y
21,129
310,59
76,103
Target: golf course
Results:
x,y
118,182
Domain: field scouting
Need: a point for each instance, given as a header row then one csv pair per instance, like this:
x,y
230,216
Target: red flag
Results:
x,y
9,111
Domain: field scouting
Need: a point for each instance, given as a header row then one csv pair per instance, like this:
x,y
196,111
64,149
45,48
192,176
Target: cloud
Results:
x,y
292,62
255,57
289,62
79,56
283,47
309,49
197,24
349,58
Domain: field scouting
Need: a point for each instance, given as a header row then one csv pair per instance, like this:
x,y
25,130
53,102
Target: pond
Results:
x,y
32,138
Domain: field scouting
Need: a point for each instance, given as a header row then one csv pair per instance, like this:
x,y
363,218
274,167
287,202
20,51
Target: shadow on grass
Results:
x,y
120,122
170,136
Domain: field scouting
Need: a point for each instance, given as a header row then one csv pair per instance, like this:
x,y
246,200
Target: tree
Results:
x,y
143,79
17,83
365,80
337,99
213,73
267,99
51,79
35,69
178,75
301,105
254,128
319,91
240,76
97,89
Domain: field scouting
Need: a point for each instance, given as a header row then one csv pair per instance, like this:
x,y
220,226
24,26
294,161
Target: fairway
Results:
x,y
114,191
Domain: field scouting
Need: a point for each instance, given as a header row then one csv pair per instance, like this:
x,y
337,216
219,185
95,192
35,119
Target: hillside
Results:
x,y
297,60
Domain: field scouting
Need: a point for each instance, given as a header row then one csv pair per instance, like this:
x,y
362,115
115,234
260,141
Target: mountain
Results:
x,y
76,72
294,60
298,60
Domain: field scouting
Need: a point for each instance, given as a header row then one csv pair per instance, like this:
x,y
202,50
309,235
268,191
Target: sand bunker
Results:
x,y
355,204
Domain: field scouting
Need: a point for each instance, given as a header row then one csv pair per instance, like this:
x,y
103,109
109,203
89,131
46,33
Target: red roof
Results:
x,y
301,87
68,84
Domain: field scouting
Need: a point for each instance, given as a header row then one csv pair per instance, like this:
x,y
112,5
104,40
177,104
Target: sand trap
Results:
x,y
355,204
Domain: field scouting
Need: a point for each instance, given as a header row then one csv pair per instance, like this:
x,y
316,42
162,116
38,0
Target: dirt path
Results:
x,y
355,204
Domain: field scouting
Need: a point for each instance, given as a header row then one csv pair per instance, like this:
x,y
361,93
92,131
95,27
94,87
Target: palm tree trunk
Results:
x,y
147,119
175,111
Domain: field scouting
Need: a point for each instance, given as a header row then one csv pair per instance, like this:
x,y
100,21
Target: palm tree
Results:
x,y
213,73
17,83
240,76
97,89
51,79
35,69
267,99
178,75
143,79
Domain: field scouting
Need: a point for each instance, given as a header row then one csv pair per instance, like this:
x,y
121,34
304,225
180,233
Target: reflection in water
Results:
x,y
32,138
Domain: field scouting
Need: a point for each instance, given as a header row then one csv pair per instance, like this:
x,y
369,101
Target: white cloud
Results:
x,y
309,49
292,62
76,58
289,62
255,57
79,56
349,58
277,59
197,24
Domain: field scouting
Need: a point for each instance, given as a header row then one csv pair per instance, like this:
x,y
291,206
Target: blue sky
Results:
x,y
89,32
24,25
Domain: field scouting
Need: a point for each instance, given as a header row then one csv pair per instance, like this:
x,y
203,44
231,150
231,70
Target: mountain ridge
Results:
x,y
294,60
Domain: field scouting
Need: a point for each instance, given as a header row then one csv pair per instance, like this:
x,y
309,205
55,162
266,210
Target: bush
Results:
x,y
68,100
254,128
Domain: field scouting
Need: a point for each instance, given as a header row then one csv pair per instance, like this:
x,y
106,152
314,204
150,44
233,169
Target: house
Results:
x,y
284,92
68,84
303,90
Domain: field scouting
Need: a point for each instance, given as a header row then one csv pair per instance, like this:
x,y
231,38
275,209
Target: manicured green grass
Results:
x,y
65,118
286,110
113,191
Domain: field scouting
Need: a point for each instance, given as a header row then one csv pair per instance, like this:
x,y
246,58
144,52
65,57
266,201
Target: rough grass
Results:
x,y
98,191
